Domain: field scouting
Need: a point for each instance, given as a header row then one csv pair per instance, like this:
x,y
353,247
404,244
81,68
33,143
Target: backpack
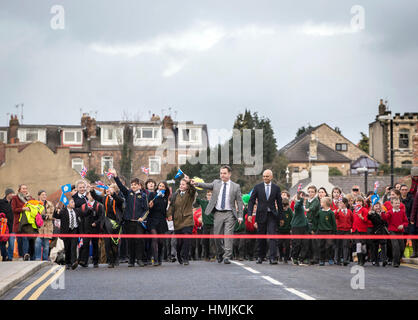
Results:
x,y
3,225
39,221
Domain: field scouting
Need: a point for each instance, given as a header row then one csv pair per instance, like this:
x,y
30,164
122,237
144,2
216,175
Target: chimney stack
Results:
x,y
382,108
168,123
89,124
313,148
13,126
155,117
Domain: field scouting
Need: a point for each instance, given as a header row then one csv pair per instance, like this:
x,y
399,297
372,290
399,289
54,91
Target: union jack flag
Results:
x,y
299,187
109,175
340,198
145,170
376,185
80,242
83,172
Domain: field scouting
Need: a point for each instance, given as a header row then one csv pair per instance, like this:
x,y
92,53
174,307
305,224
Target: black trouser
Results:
x,y
136,246
299,246
183,245
342,248
209,248
268,227
196,247
250,245
85,250
361,252
325,246
70,248
398,247
238,247
375,249
283,245
123,245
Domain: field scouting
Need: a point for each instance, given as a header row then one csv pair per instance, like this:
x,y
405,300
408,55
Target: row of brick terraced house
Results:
x,y
96,145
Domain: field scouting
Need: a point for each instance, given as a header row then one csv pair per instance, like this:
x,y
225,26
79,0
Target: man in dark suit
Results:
x,y
269,212
70,220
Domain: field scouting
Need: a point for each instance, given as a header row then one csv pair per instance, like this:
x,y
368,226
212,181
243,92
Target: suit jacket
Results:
x,y
264,204
64,216
235,197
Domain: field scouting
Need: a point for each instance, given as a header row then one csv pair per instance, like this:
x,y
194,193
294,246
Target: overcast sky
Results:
x,y
209,60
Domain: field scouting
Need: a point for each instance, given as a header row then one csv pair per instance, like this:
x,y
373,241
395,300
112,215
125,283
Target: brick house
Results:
x,y
159,145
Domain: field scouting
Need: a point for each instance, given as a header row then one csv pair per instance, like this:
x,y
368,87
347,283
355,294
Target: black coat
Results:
x,y
90,216
79,201
112,209
6,208
64,216
136,204
263,204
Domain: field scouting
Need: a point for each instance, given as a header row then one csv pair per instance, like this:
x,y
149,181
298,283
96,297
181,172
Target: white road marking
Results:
x,y
277,283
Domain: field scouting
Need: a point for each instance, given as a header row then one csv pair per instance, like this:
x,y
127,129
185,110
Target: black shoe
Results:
x,y
346,264
273,261
74,266
384,264
26,257
226,261
259,261
220,259
173,259
111,265
68,266
84,265
96,265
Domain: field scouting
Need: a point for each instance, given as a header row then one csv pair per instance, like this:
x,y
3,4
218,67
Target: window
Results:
x,y
341,147
184,157
404,138
107,163
154,165
147,133
111,135
77,164
3,136
72,137
190,135
407,164
31,135
295,169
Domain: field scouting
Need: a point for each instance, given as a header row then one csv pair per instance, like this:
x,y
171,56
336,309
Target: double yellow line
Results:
x,y
43,287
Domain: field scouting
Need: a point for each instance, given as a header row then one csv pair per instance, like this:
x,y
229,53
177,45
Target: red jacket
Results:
x,y
344,221
17,206
395,219
359,224
334,206
196,215
249,225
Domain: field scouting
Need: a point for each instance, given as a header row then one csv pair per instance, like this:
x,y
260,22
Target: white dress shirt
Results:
x,y
227,201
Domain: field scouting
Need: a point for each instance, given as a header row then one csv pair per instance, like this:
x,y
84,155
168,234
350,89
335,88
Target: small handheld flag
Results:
x,y
83,172
299,187
375,199
101,185
145,170
66,188
160,193
64,199
376,185
109,175
179,174
340,198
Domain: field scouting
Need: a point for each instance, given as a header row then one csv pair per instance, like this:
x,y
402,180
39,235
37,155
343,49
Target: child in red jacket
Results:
x,y
344,219
360,224
397,223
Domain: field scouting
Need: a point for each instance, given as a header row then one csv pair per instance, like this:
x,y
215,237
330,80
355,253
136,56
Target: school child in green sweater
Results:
x,y
284,228
325,224
299,225
312,207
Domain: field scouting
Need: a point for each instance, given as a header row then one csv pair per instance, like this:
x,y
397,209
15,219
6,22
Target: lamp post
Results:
x,y
390,118
366,172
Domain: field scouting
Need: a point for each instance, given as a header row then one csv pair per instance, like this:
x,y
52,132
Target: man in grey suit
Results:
x,y
227,206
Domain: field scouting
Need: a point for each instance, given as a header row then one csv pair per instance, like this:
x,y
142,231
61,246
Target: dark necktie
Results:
x,y
223,197
71,220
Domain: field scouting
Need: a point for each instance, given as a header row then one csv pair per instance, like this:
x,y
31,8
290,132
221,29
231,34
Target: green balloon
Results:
x,y
245,198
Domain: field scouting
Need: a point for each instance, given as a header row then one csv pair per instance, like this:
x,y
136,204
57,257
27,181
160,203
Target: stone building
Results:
x,y
159,145
404,129
322,145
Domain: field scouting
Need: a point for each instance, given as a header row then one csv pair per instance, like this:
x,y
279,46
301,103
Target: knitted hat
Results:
x,y
8,191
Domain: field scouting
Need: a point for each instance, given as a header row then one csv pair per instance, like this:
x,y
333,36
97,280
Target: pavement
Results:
x,y
202,280
14,272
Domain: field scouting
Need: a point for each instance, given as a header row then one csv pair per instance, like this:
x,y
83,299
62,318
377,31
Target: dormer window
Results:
x,y
72,137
